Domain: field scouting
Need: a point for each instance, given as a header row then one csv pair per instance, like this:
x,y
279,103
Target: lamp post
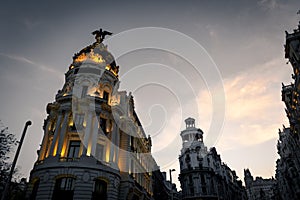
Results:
x,y
170,171
4,195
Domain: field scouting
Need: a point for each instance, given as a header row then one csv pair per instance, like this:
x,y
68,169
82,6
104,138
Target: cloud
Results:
x,y
28,61
254,110
268,4
30,24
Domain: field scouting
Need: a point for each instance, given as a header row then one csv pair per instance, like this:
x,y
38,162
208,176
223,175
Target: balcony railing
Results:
x,y
66,159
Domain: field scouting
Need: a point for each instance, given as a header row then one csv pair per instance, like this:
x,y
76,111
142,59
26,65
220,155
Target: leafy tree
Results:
x,y
7,144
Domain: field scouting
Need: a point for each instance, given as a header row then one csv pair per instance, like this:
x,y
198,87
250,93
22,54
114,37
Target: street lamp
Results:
x,y
28,123
170,171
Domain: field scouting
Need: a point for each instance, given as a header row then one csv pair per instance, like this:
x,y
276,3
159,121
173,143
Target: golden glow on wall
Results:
x,y
107,153
48,146
95,57
89,148
63,151
71,123
55,148
81,58
108,67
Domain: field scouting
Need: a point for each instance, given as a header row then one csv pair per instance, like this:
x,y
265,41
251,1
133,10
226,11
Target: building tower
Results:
x,y
202,173
288,166
94,146
195,175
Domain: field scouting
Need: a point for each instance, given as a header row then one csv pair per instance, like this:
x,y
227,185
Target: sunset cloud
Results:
x,y
254,110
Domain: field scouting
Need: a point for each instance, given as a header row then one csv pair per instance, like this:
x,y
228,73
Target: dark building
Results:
x,y
288,165
203,175
259,188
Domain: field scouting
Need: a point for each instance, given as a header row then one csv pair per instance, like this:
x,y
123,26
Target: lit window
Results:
x,y
64,189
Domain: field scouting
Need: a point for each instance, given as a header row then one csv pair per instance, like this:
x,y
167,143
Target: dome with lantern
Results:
x,y
96,54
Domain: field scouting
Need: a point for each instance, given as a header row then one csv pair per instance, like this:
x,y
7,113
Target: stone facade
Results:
x,y
202,173
288,165
94,146
259,188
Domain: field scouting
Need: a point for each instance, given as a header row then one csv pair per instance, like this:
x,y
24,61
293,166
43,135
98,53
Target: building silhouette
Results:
x,y
94,146
288,165
203,175
259,188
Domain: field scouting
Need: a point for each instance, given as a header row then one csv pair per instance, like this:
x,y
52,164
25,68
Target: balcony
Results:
x,y
66,159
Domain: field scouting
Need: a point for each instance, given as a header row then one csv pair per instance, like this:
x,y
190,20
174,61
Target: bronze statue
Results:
x,y
100,35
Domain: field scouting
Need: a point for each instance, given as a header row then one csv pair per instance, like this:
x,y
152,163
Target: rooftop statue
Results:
x,y
100,35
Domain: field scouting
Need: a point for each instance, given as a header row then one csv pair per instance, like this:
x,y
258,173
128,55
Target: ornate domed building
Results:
x,y
94,146
203,175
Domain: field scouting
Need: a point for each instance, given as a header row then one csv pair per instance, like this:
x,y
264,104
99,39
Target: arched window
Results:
x,y
100,190
34,190
64,188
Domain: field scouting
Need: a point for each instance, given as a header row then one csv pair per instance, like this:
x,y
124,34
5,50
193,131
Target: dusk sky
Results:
x,y
243,38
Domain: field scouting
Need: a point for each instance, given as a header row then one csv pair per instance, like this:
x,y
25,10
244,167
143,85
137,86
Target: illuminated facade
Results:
x,y
94,146
288,166
202,173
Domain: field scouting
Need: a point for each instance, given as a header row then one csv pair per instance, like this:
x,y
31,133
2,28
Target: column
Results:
x,y
94,136
111,153
87,133
55,134
62,134
116,142
45,141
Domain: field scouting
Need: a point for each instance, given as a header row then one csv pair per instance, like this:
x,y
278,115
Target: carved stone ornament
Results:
x,y
85,176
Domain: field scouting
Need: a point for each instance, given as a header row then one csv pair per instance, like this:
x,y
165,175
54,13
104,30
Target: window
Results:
x,y
200,165
190,179
105,95
192,191
64,189
84,91
187,158
99,152
135,197
34,190
103,124
74,147
100,190
204,190
132,148
202,179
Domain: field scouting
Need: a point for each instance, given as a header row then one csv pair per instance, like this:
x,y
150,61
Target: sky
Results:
x,y
242,56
